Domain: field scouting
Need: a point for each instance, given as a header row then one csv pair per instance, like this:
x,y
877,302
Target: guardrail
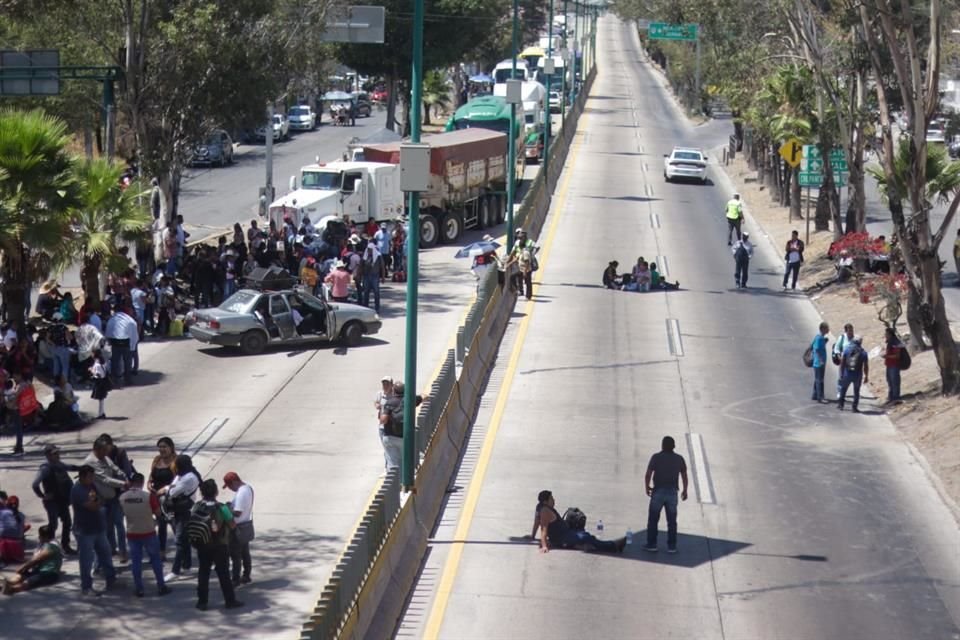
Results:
x,y
367,591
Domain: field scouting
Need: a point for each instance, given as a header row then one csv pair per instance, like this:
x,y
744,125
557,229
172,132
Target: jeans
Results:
x,y
661,498
893,384
135,360
239,556
392,451
152,546
850,377
216,556
586,541
229,288
818,382
371,284
116,531
90,546
741,272
181,561
162,523
733,225
792,268
121,359
56,512
61,362
149,312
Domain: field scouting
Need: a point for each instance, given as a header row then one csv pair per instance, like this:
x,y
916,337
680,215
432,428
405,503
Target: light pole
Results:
x,y
413,265
512,151
566,61
548,66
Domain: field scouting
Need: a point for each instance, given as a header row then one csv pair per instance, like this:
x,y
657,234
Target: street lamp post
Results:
x,y
512,151
413,265
566,61
548,67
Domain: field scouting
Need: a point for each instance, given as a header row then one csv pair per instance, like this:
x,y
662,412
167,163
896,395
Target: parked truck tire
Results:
x,y
483,213
452,227
429,230
499,208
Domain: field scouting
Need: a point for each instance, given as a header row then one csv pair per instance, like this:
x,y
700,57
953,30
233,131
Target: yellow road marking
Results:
x,y
445,588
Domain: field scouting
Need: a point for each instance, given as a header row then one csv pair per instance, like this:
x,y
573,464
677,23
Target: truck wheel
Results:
x,y
483,214
452,227
352,334
499,209
253,342
429,231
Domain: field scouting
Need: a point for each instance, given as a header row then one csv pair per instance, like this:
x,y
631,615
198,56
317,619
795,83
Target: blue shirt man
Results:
x,y
819,347
854,370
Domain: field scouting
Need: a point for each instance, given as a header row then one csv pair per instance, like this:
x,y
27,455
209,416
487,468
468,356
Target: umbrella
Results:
x,y
481,77
475,249
337,96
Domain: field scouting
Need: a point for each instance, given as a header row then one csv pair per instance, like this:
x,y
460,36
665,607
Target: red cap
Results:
x,y
230,476
13,501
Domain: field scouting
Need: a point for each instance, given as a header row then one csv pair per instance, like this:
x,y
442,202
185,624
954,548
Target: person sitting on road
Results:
x,y
555,533
641,275
610,278
41,570
64,411
48,302
657,281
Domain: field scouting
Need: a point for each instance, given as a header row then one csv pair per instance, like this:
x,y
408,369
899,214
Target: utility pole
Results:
x,y
512,151
267,196
413,265
566,62
548,123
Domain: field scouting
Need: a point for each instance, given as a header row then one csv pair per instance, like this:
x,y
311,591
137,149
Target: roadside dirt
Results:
x,y
926,420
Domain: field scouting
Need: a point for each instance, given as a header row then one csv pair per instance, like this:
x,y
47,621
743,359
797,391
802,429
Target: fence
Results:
x,y
366,593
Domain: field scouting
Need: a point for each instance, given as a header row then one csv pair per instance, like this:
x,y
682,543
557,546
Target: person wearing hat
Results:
x,y
48,300
854,370
339,281
52,485
242,508
382,239
523,255
742,252
734,214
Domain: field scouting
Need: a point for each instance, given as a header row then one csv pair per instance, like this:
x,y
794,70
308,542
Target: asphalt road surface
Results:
x,y
802,523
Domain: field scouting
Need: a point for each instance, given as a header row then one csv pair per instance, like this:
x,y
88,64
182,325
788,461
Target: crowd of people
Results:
x,y
120,516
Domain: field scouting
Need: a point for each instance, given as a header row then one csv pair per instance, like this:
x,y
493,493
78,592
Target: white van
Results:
x,y
501,72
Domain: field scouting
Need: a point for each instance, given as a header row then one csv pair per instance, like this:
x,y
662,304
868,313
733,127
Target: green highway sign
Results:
x,y
810,178
812,161
664,31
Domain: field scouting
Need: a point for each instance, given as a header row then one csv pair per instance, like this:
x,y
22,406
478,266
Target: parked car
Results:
x,y
281,128
251,320
364,107
379,95
533,146
954,147
302,118
685,163
555,102
216,149
935,133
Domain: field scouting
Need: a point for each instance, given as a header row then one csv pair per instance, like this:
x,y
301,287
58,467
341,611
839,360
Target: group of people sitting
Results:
x,y
643,277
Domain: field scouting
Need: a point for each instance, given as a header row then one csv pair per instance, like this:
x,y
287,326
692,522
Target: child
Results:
x,y
101,384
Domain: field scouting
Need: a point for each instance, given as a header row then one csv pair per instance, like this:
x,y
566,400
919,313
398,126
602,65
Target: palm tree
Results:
x,y
436,93
943,175
104,215
36,190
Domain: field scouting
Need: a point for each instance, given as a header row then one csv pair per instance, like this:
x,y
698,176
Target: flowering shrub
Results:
x,y
857,246
886,292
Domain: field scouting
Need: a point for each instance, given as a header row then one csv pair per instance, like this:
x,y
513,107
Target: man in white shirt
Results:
x,y
243,534
123,334
742,252
793,255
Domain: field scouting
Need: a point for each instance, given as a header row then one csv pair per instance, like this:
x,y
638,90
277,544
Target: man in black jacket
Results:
x,y
52,485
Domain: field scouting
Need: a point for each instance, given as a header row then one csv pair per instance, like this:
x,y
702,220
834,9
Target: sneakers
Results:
x,y
164,590
671,549
202,606
170,577
652,549
236,604
90,593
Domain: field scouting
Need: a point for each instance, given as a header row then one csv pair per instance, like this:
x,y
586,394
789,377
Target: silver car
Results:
x,y
252,320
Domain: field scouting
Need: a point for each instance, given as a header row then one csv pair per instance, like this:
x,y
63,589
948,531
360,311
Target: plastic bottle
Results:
x,y
629,536
599,525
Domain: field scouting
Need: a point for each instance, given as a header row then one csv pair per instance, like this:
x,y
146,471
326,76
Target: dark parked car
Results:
x,y
216,149
364,106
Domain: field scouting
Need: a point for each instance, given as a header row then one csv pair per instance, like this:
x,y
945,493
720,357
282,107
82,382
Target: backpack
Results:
x,y
905,359
393,426
741,253
808,357
200,525
576,520
854,358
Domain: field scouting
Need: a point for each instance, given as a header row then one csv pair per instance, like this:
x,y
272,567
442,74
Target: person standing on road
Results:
x,y
170,248
742,252
891,360
838,348
524,256
139,507
242,508
956,256
855,371
390,414
371,268
52,485
179,501
794,258
90,530
819,347
123,334
339,281
161,475
216,554
110,482
156,198
665,469
734,213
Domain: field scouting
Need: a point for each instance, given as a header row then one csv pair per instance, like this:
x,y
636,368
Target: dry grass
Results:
x,y
929,421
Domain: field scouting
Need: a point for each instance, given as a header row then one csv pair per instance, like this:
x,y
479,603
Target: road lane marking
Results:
x,y
673,337
701,472
452,565
655,220
648,189
210,430
663,266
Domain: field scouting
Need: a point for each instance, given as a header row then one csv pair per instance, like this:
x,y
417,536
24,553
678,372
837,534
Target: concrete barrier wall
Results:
x,y
365,595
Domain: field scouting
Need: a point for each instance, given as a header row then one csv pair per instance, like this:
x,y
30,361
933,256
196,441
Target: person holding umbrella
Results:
x,y
484,254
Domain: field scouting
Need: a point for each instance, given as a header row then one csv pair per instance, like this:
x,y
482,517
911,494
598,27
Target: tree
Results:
x,y
895,28
37,188
436,93
104,214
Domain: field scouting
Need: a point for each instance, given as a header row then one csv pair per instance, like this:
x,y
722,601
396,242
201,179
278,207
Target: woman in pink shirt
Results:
x,y
339,281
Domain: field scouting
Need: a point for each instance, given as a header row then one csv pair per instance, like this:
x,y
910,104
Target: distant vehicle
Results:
x,y
555,102
935,133
363,106
533,147
491,112
684,163
252,320
379,95
302,118
954,147
216,149
504,71
281,128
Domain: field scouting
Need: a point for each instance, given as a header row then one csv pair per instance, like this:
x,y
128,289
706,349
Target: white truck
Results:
x,y
534,97
467,186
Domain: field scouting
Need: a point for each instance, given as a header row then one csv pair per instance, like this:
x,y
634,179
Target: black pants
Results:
x,y
239,555
216,556
794,268
733,225
520,279
59,512
740,273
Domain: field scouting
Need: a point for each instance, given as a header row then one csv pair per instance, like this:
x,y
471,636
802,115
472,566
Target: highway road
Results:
x,y
802,523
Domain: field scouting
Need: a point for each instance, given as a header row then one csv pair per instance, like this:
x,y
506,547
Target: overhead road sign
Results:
x,y
360,24
664,31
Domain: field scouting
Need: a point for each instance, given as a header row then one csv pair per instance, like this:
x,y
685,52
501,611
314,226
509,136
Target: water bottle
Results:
x,y
629,536
599,525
